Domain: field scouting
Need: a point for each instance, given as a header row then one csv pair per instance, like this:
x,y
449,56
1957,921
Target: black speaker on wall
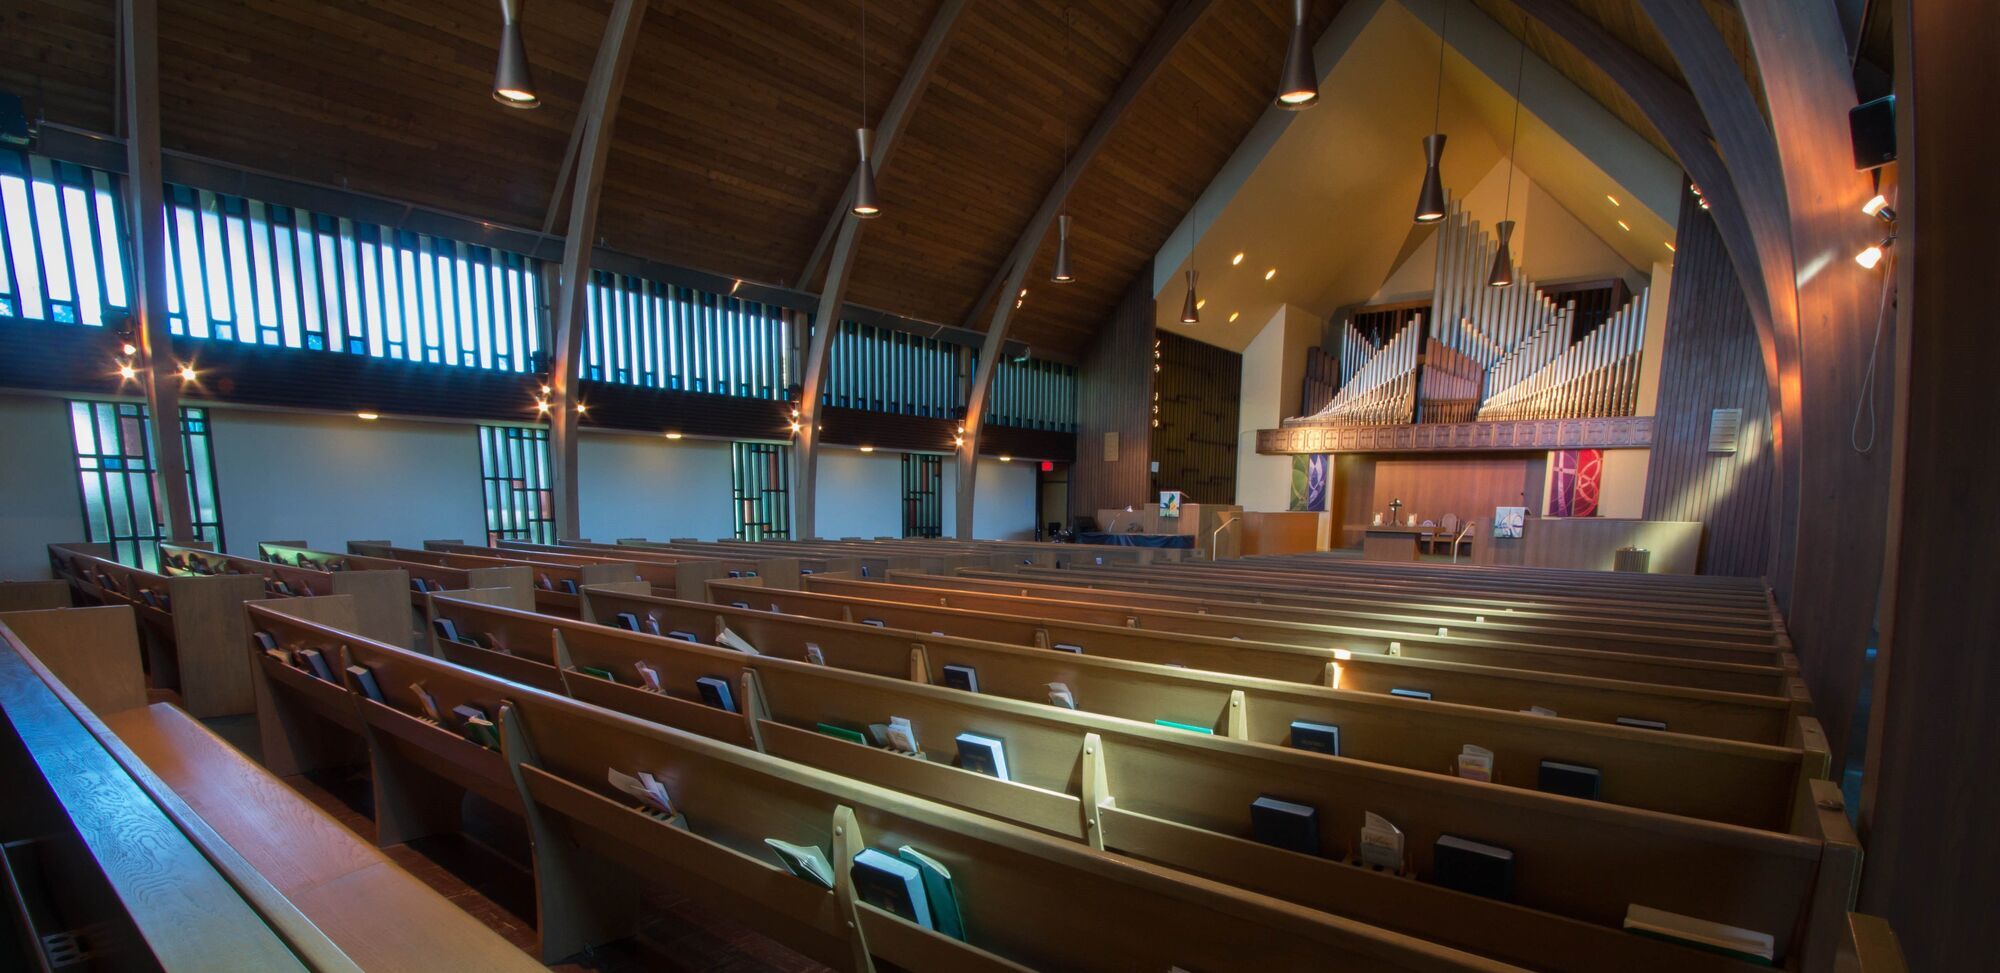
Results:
x,y
1872,126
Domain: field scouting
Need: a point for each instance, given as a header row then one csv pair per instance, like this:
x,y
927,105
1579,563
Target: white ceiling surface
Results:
x,y
1328,201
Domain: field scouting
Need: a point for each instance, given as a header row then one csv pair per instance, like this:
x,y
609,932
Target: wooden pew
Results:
x,y
424,578
380,593
1456,646
694,571
1565,581
337,904
1735,716
18,596
1026,897
188,626
1497,622
555,585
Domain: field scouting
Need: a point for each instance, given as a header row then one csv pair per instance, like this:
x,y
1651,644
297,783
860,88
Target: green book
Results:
x,y
843,733
1190,727
604,674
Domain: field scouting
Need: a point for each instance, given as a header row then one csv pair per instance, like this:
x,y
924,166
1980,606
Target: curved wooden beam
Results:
x,y
844,229
1178,26
600,110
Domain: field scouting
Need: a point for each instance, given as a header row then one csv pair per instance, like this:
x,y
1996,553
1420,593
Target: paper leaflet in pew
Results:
x,y
651,794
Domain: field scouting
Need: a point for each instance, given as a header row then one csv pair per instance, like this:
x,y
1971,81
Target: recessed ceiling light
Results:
x,y
1613,199
1233,315
187,373
867,449
1006,459
1622,225
369,416
1233,261
1273,272
1024,292
673,435
1670,247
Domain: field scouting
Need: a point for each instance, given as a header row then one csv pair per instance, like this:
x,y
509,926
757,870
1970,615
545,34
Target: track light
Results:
x,y
1298,86
1061,274
367,416
865,205
1190,309
1879,208
1430,201
188,373
1503,261
126,372
1871,256
512,84
673,435
128,349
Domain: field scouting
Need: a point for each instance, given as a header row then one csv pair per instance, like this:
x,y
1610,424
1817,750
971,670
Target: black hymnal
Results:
x,y
1574,780
1472,866
1411,693
1317,737
365,681
447,630
265,641
569,586
1066,647
715,692
1284,824
315,663
628,621
1641,724
962,677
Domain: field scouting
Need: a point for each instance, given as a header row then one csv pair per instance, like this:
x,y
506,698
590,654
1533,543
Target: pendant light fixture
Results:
x,y
865,206
1298,86
512,85
1430,200
1503,261
1061,273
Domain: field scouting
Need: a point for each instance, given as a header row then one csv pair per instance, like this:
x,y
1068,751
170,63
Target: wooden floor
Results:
x,y
485,871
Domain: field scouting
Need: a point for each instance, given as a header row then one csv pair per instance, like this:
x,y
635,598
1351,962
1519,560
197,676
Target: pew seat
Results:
x,y
378,914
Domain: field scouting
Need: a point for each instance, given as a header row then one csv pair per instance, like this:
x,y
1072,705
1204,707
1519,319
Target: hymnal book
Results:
x,y
476,727
939,892
447,630
1472,866
1743,944
599,672
804,861
739,604
1059,695
735,574
876,622
1411,693
1190,727
1641,724
962,677
1574,780
1285,824
628,621
684,636
433,586
364,680
649,677
1317,737
428,702
417,585
315,663
648,790
715,692
1381,843
569,586
281,588
1066,647
843,733
814,655
892,885
542,581
1540,711
150,596
653,624
1475,763
730,640
902,736
265,641
982,755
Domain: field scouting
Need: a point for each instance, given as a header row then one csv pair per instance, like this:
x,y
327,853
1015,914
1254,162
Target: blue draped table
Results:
x,y
1136,540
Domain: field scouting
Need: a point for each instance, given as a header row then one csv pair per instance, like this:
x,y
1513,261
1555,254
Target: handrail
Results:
x,y
1217,532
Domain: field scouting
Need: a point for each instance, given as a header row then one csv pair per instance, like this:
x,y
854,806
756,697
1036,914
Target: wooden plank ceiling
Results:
x,y
736,139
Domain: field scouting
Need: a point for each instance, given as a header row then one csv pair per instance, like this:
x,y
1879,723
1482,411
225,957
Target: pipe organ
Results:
x,y
1487,353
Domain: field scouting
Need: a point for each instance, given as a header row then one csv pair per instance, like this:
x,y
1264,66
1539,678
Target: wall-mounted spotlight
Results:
x,y
1872,255
1879,208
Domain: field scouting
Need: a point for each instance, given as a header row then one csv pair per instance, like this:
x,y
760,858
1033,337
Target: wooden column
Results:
x,y
1927,801
599,111
843,229
1828,580
145,215
1006,280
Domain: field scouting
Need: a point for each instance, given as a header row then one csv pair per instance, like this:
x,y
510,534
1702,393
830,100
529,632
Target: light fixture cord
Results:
x,y
1867,404
1514,140
864,63
1437,107
1069,37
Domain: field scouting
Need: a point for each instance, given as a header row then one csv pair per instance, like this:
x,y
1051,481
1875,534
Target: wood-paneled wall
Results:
x,y
1113,395
1712,361
1431,486
1197,392
1928,800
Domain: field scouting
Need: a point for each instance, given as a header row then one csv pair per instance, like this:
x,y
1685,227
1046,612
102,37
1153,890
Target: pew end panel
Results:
x,y
381,602
208,635
94,652
18,596
1869,947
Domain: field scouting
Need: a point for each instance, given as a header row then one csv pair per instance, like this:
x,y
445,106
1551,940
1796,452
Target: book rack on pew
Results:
x,y
423,578
554,585
379,591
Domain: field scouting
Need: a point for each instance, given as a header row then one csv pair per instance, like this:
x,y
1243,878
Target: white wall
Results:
x,y
653,487
1003,499
1273,368
40,502
331,479
860,494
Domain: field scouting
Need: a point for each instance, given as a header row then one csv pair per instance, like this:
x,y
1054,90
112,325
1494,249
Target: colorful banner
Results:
x,y
1574,487
1310,481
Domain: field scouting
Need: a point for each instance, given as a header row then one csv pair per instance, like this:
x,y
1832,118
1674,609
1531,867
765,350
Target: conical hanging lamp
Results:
x,y
1430,199
1061,273
1190,313
513,86
866,206
1503,260
1298,85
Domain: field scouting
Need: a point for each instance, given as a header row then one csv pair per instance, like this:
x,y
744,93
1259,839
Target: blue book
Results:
x,y
983,755
1317,737
364,680
939,892
715,692
628,621
1411,693
891,885
962,677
